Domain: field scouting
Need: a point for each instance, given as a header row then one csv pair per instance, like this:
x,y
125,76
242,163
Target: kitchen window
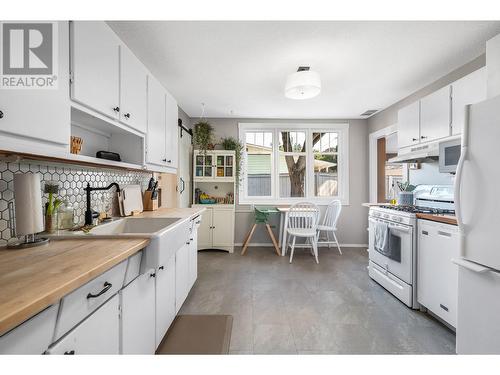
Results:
x,y
287,163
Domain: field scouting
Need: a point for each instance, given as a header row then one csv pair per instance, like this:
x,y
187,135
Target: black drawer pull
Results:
x,y
69,352
443,307
152,274
107,286
1,114
161,267
425,232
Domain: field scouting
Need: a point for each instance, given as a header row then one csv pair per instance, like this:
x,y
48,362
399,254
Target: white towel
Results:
x,y
381,234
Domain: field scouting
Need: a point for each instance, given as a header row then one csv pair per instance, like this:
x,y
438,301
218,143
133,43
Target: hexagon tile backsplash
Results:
x,y
71,181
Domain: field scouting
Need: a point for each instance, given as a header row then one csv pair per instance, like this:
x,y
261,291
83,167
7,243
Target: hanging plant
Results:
x,y
203,137
230,143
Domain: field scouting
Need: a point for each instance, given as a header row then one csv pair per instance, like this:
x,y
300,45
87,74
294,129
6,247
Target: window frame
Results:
x,y
342,160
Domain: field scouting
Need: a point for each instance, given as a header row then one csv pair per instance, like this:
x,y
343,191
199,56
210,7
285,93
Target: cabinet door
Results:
x,y
205,230
138,315
435,115
156,123
223,224
409,125
469,90
98,334
165,298
193,256
40,113
95,66
437,277
133,91
181,276
171,133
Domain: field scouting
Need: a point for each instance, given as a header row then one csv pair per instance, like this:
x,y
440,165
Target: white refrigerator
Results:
x,y
477,200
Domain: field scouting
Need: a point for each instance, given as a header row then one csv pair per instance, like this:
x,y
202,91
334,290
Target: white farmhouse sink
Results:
x,y
131,225
166,235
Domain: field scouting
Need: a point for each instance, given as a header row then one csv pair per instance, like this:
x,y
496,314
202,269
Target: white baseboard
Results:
x,y
269,244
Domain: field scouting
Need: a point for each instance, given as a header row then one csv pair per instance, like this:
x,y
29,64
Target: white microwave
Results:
x,y
449,155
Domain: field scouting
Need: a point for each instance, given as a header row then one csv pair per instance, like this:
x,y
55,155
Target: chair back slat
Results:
x,y
332,214
303,215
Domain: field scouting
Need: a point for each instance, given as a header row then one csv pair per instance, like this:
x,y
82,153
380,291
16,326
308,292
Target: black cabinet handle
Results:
x,y
423,137
1,114
169,161
414,139
116,109
126,115
107,286
164,160
152,274
161,268
69,352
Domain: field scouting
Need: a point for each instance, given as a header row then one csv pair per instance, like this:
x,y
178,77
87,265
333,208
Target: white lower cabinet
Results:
x,y
165,298
437,276
216,230
137,315
181,276
97,334
193,254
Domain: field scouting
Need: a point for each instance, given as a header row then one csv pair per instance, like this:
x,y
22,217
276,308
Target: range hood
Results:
x,y
418,154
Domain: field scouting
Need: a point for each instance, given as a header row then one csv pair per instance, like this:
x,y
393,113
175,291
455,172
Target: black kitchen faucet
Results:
x,y
88,189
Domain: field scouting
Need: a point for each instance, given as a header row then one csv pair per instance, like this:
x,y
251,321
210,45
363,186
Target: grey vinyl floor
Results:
x,y
306,308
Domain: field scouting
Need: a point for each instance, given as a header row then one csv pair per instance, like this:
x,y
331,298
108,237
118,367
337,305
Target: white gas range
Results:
x,y
394,265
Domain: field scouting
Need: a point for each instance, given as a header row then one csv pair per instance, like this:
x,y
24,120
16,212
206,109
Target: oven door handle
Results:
x,y
400,229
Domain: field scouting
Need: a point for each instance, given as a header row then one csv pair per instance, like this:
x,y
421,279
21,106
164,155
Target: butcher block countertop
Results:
x,y
446,219
34,278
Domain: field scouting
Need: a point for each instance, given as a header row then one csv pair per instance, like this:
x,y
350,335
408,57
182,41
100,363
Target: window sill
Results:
x,y
290,201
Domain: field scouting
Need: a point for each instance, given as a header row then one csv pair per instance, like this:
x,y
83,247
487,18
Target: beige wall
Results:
x,y
389,116
353,221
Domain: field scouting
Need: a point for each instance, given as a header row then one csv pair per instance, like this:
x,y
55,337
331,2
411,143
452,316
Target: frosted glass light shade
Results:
x,y
304,84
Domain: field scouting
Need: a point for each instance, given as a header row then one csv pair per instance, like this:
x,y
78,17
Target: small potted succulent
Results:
x,y
203,137
53,203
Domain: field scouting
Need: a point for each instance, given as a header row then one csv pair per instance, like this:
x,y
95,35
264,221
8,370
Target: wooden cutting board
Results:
x,y
131,199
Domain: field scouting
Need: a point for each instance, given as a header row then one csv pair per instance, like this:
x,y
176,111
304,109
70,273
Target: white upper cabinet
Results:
x,y
40,114
409,125
156,135
469,90
133,91
435,115
171,142
94,67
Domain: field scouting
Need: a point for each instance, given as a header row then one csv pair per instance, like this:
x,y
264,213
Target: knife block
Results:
x,y
148,203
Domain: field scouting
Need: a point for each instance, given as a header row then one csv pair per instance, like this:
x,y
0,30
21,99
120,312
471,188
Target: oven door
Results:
x,y
398,258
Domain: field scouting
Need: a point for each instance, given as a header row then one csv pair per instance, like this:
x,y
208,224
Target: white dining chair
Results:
x,y
329,225
303,221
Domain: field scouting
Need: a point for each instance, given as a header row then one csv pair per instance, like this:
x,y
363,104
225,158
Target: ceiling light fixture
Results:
x,y
303,84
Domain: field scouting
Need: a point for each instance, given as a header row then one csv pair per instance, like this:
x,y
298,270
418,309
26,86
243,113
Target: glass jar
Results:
x,y
65,216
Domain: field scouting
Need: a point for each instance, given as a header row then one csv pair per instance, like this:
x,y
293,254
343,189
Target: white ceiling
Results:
x,y
238,69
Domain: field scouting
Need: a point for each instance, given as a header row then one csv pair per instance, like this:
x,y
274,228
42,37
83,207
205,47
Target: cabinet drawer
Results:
x,y
86,299
33,336
98,334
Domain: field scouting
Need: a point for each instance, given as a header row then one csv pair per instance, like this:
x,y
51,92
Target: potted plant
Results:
x,y
230,143
203,137
51,188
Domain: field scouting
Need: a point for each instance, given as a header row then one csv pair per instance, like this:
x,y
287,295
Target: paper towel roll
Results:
x,y
28,203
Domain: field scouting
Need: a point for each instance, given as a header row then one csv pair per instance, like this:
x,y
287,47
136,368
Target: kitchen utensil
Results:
x,y
151,184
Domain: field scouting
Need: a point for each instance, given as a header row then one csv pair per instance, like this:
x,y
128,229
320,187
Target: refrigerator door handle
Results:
x,y
471,266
